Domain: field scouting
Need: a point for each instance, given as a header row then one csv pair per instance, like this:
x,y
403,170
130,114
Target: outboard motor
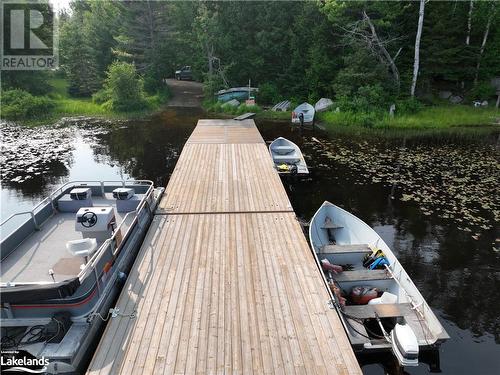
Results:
x,y
404,345
403,341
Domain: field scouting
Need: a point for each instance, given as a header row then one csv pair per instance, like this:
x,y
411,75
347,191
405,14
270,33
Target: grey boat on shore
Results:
x,y
63,264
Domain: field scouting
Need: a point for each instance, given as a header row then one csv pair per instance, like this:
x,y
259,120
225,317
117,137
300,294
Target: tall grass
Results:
x,y
440,117
66,105
219,107
76,106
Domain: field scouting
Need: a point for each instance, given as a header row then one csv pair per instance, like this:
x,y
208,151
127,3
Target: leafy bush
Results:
x,y
101,96
481,91
408,106
268,94
19,104
212,84
124,86
369,98
151,84
243,108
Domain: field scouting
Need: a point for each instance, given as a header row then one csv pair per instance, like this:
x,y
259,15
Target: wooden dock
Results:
x,y
225,282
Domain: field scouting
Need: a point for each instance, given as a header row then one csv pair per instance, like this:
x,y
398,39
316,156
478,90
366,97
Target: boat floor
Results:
x,y
46,249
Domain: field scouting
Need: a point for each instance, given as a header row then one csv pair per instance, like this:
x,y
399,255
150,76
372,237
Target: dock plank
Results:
x,y
224,178
225,281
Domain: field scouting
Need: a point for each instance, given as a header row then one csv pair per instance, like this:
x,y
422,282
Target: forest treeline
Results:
x,y
363,54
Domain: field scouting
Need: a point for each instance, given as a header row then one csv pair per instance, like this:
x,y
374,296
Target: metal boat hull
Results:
x,y
90,304
286,152
348,230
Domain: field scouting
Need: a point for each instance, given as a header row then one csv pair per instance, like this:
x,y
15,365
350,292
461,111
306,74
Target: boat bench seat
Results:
x,y
331,226
382,310
285,158
344,249
395,310
363,275
283,149
66,204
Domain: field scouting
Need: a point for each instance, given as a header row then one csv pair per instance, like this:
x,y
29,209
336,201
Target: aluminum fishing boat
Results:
x,y
287,157
323,104
303,114
63,264
238,93
380,306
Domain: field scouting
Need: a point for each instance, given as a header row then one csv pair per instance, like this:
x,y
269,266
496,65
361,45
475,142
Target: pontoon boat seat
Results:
x,y
82,248
127,205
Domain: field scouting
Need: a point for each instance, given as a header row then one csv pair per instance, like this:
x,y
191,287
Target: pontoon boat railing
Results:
x,y
60,189
108,242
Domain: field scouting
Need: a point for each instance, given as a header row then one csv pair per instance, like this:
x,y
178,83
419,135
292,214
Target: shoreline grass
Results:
x,y
438,117
68,106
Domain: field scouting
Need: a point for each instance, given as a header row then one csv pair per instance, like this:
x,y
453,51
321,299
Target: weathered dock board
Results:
x,y
225,282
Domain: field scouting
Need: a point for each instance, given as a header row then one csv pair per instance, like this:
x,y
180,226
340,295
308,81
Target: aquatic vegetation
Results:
x,y
28,152
446,182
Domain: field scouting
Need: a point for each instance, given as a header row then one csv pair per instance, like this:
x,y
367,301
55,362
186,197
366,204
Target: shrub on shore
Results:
x,y
123,89
19,104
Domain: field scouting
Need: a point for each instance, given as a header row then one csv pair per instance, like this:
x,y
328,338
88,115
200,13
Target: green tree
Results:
x,y
77,55
124,87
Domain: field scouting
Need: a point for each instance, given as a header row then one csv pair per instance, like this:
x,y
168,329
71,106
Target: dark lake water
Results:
x,y
433,199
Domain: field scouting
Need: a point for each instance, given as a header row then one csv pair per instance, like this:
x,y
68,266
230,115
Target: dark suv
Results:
x,y
184,73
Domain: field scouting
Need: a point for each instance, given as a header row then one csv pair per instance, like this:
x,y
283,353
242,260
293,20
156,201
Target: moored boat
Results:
x,y
380,306
63,264
287,157
303,114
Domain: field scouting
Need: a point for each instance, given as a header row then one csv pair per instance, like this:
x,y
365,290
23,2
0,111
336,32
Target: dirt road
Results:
x,y
185,93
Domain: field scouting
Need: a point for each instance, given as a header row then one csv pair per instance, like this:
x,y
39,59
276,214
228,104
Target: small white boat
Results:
x,y
379,305
287,157
63,264
323,104
303,114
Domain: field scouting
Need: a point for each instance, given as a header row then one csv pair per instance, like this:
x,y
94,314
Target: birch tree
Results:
x,y
416,60
469,28
469,23
485,39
